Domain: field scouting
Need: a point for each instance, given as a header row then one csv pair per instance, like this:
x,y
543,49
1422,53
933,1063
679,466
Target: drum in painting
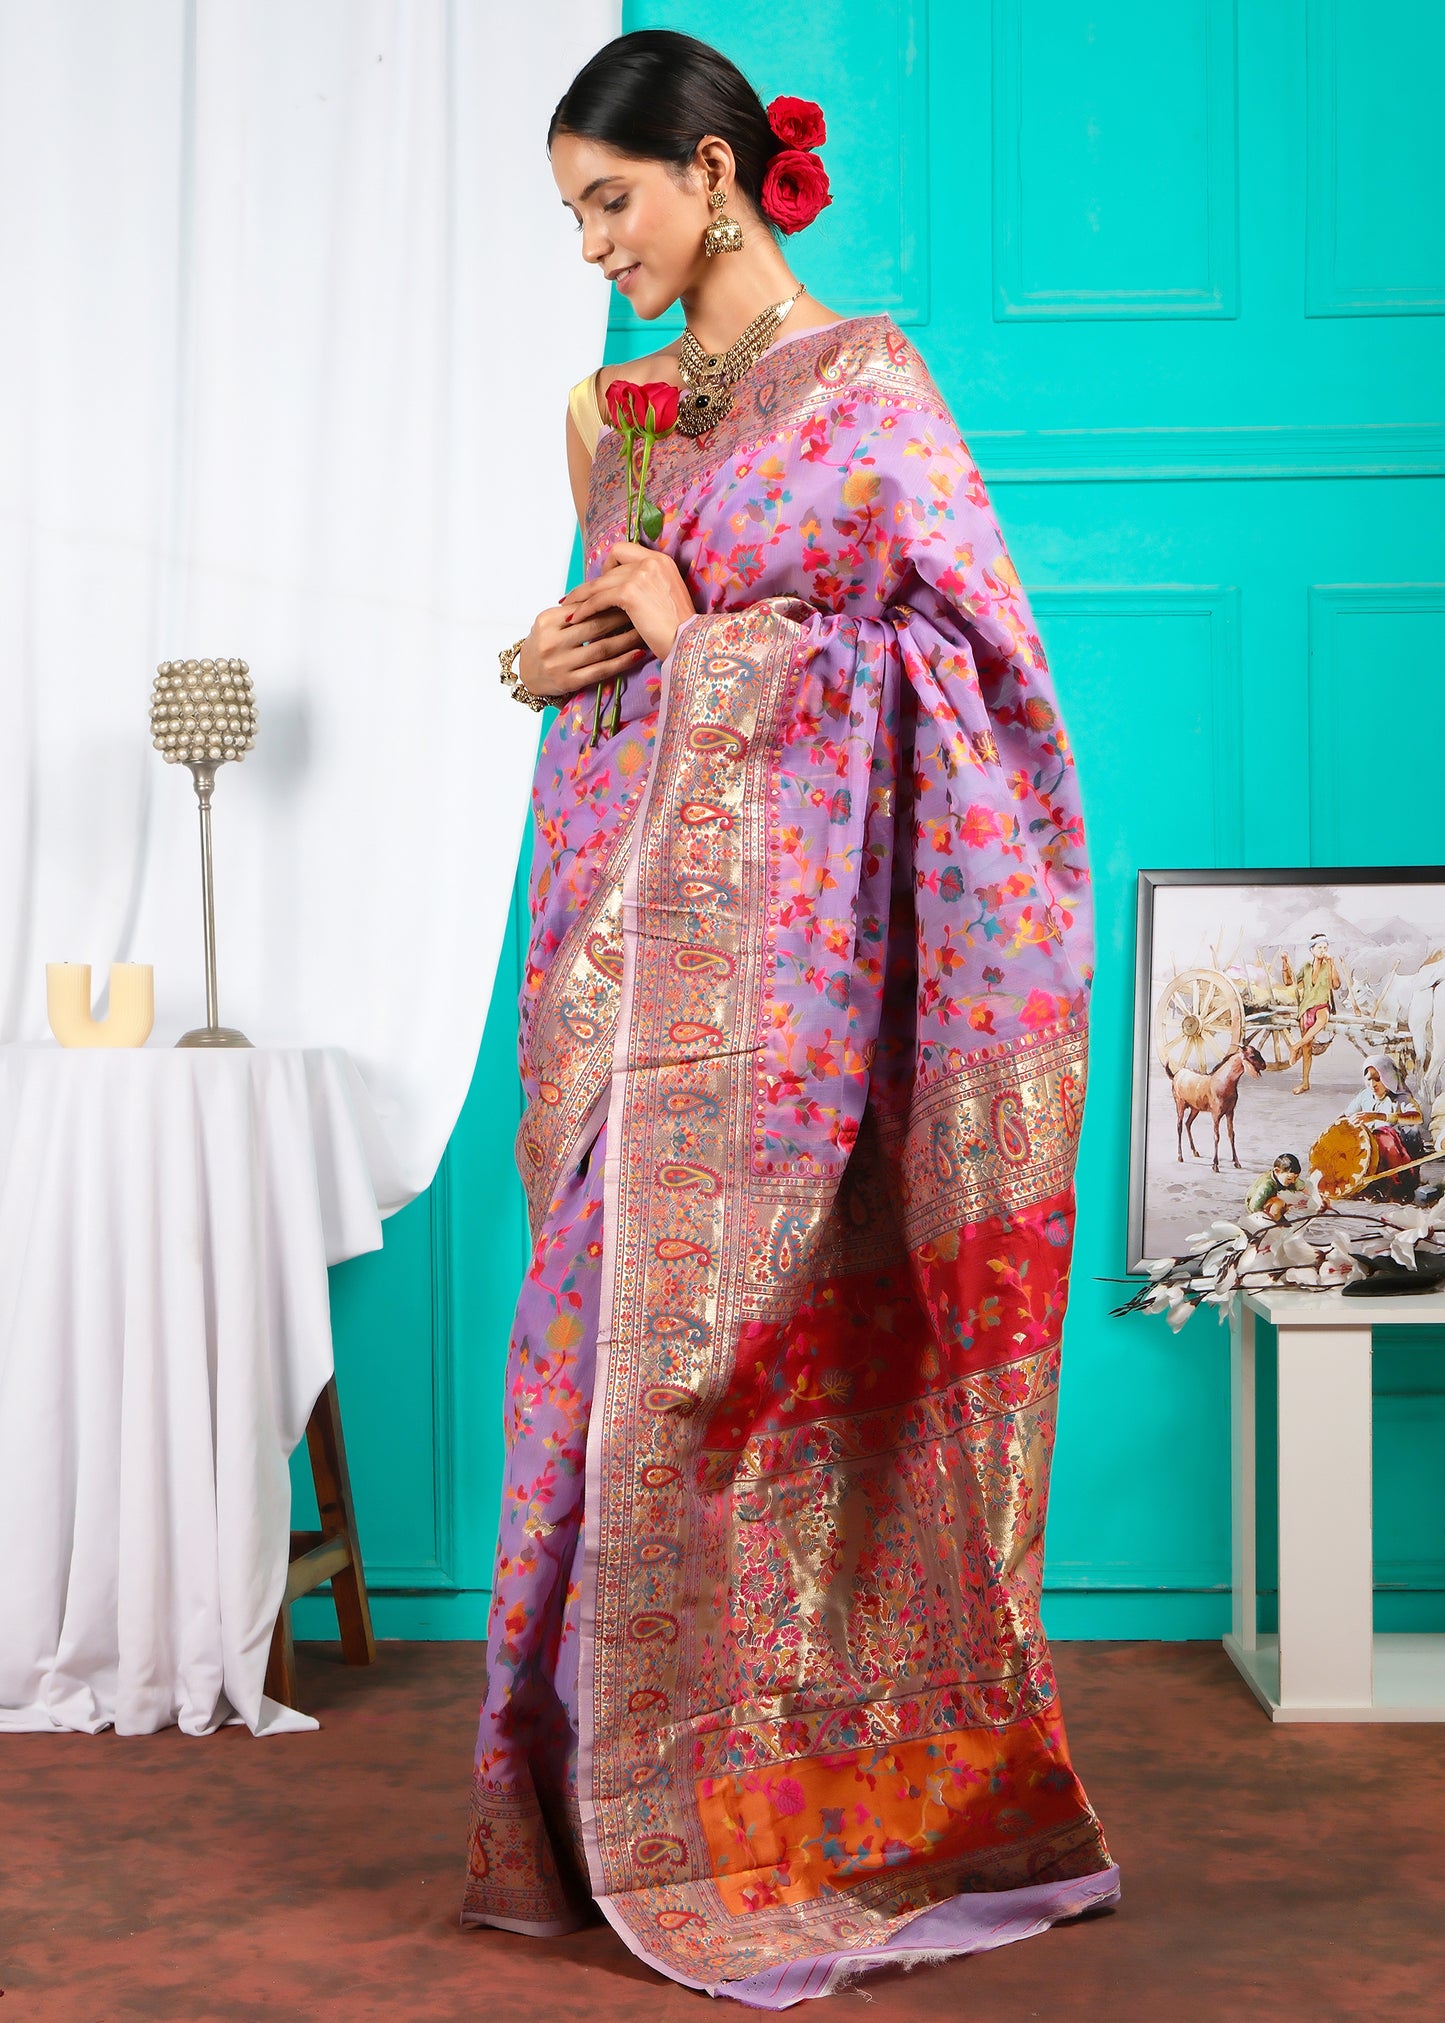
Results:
x,y
1350,1156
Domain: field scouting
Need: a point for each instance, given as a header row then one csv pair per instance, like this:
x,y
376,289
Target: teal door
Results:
x,y
1179,272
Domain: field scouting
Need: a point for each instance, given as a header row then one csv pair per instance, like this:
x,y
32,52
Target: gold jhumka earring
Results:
x,y
724,234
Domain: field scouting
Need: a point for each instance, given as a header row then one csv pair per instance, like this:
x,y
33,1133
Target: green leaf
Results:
x,y
651,519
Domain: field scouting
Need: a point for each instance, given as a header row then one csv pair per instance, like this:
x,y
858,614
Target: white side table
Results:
x,y
167,1216
1326,1664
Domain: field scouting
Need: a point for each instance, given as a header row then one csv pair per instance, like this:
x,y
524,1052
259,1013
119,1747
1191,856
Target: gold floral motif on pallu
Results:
x,y
570,1038
997,1135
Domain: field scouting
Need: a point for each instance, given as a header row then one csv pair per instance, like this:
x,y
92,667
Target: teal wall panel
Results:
x,y
1376,189
1114,159
1176,273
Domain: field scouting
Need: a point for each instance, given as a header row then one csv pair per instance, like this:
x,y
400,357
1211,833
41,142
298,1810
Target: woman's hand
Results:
x,y
643,582
558,658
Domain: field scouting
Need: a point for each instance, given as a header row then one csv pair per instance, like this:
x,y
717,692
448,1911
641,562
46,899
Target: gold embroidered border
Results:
x,y
704,1942
974,1400
993,1137
678,1126
818,1731
570,1038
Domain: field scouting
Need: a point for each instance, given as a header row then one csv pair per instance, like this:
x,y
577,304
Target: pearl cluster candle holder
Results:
x,y
203,712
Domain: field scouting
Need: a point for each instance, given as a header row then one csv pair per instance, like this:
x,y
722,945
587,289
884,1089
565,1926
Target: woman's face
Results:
x,y
640,223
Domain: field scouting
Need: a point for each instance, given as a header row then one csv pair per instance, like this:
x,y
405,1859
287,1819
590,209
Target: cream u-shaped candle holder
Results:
x,y
203,712
128,1019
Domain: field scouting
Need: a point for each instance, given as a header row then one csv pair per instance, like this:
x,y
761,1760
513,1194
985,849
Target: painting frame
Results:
x,y
1151,884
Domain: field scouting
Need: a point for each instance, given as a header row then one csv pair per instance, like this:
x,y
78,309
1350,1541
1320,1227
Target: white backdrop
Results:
x,y
288,312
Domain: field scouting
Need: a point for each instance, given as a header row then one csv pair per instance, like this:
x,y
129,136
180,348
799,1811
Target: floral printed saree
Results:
x,y
803,1044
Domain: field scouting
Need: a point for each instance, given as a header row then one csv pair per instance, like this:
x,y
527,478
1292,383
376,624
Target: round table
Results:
x,y
167,1216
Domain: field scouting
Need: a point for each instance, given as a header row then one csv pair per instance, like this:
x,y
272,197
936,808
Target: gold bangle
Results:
x,y
513,681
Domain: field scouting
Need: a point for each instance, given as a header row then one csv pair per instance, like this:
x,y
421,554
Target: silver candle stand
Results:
x,y
203,712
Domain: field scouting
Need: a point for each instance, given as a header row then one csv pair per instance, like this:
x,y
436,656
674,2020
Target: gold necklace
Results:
x,y
708,377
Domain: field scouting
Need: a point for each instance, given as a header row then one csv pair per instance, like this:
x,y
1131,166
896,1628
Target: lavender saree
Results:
x,y
803,1041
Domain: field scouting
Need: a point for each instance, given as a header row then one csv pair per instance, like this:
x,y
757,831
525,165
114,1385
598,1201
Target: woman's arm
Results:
x,y
645,583
579,467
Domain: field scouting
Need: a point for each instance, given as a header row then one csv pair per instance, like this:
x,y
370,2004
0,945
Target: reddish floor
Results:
x,y
1269,1874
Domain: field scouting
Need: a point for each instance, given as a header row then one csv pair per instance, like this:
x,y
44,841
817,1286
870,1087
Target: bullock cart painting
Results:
x,y
1286,1021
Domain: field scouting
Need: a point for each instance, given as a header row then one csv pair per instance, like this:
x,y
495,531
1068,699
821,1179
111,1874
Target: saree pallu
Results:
x,y
803,1045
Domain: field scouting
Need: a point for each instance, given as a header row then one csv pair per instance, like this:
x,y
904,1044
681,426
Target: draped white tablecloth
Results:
x,y
166,1220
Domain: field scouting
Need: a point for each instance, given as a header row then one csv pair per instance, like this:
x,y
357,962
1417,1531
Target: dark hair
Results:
x,y
653,94
1288,1161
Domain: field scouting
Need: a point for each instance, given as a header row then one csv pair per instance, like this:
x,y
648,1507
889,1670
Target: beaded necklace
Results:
x,y
708,377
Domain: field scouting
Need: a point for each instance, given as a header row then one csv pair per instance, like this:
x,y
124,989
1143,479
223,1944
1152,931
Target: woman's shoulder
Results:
x,y
660,364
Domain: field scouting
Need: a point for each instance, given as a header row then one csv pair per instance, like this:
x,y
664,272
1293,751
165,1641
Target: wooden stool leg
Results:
x,y
338,1520
281,1664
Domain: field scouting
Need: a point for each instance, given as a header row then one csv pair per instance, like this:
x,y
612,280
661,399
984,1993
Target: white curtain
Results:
x,y
288,310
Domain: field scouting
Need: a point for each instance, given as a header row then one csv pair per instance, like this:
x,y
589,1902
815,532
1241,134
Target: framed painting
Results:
x,y
1285,1022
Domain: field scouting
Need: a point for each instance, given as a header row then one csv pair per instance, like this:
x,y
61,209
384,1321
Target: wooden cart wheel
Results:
x,y
1198,1021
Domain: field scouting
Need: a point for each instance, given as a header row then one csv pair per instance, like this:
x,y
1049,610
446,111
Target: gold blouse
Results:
x,y
586,413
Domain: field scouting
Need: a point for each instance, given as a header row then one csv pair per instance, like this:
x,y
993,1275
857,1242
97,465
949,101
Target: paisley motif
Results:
x,y
686,1177
728,744
653,1626
606,955
1010,1131
700,961
669,1398
691,1032
705,890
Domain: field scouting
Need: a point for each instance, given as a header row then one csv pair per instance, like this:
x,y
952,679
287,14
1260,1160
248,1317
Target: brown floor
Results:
x,y
1269,1873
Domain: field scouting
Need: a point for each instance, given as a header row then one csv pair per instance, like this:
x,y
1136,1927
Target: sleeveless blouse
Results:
x,y
582,402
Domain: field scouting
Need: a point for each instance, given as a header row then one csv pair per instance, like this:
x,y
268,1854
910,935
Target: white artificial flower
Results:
x,y
1411,1225
1179,1311
1302,1274
1338,1267
1157,1266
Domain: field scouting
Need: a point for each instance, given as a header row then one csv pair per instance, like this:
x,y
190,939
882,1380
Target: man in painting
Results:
x,y
1315,987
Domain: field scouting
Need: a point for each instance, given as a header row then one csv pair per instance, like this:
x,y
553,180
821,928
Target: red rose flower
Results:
x,y
795,189
628,403
797,122
663,399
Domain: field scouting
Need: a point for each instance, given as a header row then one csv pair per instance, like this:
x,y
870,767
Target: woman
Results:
x,y
803,1045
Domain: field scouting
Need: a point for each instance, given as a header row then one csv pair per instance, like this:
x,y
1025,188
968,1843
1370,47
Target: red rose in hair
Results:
x,y
797,122
795,189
